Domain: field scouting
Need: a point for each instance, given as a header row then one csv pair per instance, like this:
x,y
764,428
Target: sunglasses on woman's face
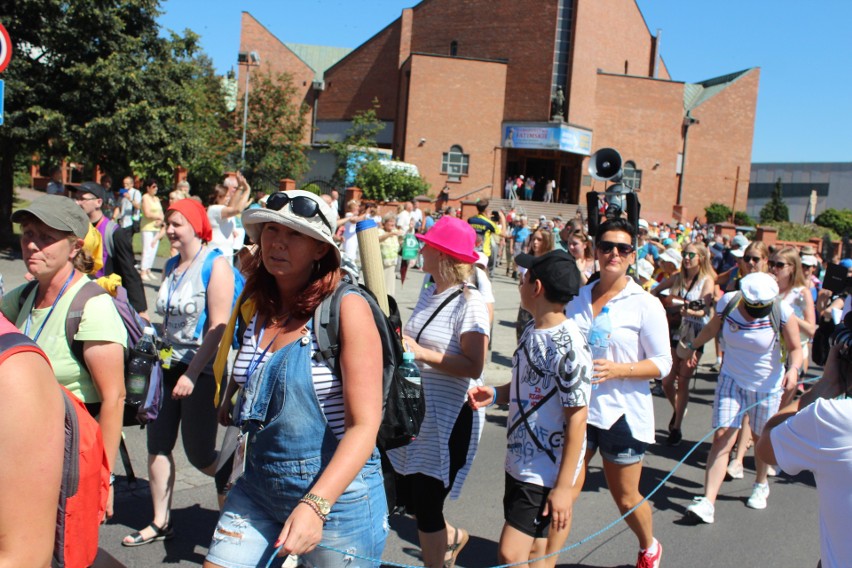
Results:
x,y
776,264
750,259
299,205
690,255
606,247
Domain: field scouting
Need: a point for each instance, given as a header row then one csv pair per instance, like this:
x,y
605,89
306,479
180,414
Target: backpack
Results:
x,y
774,319
134,324
85,473
206,271
403,403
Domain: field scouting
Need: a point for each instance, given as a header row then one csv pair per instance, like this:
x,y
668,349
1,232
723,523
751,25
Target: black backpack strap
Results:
x,y
75,314
523,415
735,300
443,305
327,326
25,293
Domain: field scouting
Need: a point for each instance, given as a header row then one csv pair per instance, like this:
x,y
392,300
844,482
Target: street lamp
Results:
x,y
249,60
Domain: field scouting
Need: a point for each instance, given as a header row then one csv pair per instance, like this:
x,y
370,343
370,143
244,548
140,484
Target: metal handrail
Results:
x,y
472,191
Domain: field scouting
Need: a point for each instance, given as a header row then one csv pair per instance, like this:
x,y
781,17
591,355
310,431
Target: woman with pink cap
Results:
x,y
448,333
188,382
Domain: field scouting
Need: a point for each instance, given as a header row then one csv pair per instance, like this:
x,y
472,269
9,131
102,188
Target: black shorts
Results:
x,y
523,505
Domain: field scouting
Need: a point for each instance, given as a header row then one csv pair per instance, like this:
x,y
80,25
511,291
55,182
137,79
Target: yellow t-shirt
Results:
x,y
148,223
100,322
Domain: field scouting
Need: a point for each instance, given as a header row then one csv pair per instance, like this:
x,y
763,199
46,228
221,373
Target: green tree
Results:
x,y
775,209
839,220
94,80
358,146
380,182
275,130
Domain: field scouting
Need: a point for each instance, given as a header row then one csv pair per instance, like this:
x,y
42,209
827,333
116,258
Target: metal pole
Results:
x,y
245,116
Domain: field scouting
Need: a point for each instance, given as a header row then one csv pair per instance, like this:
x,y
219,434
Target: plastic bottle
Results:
x,y
599,337
139,368
409,368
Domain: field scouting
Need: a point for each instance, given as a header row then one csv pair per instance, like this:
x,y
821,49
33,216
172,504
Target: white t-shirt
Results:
x,y
557,361
223,232
135,197
484,285
403,220
350,239
445,395
639,331
417,216
819,439
752,351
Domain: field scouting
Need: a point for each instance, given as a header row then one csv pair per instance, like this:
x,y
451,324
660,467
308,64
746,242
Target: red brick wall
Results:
x,y
275,58
641,118
606,34
455,101
521,32
719,143
371,71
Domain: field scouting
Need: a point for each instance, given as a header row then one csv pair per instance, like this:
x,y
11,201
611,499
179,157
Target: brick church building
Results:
x,y
472,92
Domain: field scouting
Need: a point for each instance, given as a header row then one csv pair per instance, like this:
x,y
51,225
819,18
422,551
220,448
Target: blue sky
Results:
x,y
802,48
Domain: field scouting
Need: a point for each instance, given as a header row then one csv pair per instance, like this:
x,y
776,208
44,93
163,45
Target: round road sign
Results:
x,y
5,48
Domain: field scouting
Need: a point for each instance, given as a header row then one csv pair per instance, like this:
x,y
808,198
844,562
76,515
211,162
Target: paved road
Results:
x,y
783,535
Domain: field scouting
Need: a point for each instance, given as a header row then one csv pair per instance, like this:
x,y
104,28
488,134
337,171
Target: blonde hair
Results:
x,y
758,248
453,271
790,255
83,260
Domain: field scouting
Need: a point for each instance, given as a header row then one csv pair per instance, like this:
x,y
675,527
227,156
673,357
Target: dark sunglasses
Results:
x,y
750,259
299,205
776,264
606,247
690,255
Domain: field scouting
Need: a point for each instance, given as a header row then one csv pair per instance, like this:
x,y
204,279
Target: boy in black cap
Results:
x,y
548,399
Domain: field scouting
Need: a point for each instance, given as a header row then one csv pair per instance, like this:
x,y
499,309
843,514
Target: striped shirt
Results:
x,y
329,388
445,395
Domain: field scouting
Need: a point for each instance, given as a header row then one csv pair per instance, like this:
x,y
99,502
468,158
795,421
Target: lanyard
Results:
x,y
173,286
47,317
254,362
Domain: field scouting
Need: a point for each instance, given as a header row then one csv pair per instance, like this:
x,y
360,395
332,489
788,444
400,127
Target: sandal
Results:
x,y
160,533
454,549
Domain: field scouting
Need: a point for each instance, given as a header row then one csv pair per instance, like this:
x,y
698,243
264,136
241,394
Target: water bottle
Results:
x,y
409,368
599,337
139,368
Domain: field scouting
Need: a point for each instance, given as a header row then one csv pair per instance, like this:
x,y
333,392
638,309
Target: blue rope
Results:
x,y
578,543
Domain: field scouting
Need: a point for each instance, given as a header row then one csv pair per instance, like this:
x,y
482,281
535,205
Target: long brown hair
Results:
x,y
705,265
790,255
261,286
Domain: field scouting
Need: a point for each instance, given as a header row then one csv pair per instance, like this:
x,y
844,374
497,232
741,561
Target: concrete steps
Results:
x,y
533,209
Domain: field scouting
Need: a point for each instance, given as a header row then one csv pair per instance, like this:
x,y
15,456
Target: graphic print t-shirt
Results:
x,y
557,361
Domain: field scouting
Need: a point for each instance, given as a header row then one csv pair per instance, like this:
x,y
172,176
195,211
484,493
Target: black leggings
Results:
x,y
423,495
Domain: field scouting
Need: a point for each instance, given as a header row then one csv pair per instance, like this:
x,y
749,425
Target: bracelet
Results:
x,y
494,399
315,508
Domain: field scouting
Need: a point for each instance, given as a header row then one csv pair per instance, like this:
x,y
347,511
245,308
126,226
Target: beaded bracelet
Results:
x,y
315,508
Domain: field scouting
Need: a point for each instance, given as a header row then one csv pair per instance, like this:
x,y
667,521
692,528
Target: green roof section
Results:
x,y
318,57
695,94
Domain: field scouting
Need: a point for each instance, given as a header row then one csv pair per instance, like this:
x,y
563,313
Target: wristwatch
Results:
x,y
322,504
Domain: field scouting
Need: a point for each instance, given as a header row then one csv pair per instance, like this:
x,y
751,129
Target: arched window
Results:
x,y
454,48
455,163
632,177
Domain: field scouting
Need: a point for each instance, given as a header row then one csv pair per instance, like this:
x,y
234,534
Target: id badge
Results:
x,y
239,459
166,357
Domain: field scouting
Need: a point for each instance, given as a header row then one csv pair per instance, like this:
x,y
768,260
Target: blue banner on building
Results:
x,y
561,137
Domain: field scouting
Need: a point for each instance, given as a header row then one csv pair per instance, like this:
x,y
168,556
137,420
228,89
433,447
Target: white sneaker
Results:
x,y
735,469
701,510
758,496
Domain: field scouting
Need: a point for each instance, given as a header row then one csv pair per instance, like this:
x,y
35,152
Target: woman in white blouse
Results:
x,y
621,412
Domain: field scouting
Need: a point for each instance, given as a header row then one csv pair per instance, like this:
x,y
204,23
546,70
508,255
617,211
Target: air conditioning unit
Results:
x,y
319,85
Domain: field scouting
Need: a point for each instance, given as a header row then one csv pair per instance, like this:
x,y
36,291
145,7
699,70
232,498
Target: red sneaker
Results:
x,y
650,560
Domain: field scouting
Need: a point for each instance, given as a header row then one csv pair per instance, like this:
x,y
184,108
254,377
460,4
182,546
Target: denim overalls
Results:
x,y
290,444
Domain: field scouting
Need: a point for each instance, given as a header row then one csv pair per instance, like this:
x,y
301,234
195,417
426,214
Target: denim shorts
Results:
x,y
617,445
247,530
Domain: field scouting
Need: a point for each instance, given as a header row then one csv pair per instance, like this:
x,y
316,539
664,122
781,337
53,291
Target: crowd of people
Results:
x,y
304,475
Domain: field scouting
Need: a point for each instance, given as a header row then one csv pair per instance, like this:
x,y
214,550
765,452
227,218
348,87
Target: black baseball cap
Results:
x,y
91,187
557,271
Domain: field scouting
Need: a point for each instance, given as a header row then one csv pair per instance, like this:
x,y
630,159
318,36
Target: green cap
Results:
x,y
57,212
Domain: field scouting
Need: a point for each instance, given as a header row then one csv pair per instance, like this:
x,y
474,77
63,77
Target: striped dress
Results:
x,y
445,395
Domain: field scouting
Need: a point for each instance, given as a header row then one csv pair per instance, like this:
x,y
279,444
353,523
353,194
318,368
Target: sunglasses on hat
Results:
x,y
623,248
299,205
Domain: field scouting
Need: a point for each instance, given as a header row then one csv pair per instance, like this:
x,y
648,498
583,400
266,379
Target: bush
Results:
x,y
839,220
801,233
742,218
717,213
313,188
380,183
